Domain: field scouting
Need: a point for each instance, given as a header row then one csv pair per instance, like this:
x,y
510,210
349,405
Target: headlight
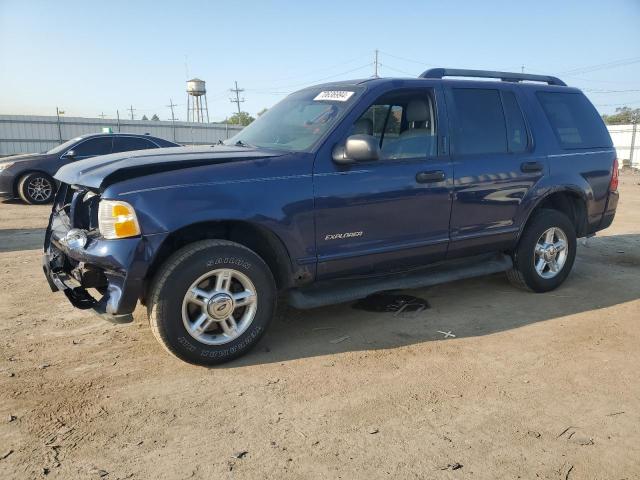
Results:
x,y
5,165
117,220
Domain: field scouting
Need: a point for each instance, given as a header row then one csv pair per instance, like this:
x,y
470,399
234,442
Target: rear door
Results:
x,y
494,164
389,214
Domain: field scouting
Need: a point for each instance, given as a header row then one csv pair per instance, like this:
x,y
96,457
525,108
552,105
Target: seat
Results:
x,y
417,140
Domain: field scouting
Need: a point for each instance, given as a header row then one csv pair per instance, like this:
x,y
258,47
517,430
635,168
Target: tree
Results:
x,y
144,117
155,117
624,115
242,118
261,112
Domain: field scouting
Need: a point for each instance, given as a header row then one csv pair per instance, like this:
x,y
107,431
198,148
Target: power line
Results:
x,y
314,71
602,66
278,90
591,90
399,70
237,100
617,104
425,64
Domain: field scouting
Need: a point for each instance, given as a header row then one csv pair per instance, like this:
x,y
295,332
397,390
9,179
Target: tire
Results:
x,y
532,251
189,306
37,188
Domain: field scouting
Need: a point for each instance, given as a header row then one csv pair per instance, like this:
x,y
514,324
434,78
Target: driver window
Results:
x,y
403,123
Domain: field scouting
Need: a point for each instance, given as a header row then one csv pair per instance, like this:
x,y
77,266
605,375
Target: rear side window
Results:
x,y
126,144
574,120
480,125
517,138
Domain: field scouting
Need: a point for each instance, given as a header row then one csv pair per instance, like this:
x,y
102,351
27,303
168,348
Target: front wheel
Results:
x,y
211,301
36,188
545,253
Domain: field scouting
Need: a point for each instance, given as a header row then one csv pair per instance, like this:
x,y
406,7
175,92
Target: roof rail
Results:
x,y
504,76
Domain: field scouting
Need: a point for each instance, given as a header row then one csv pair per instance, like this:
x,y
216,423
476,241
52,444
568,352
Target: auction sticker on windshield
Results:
x,y
334,95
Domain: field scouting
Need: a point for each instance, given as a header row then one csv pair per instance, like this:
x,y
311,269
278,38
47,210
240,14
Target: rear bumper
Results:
x,y
610,211
116,269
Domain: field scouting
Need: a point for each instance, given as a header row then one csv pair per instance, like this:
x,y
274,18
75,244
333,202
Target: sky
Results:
x,y
97,57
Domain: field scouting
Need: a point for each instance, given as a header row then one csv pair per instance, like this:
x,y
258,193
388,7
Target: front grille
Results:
x,y
79,205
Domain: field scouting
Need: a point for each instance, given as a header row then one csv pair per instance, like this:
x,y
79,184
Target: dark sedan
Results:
x,y
30,176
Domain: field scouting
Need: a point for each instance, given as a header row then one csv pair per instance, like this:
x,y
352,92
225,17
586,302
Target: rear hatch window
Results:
x,y
574,120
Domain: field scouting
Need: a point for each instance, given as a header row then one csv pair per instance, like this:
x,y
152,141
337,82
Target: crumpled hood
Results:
x,y
100,172
24,157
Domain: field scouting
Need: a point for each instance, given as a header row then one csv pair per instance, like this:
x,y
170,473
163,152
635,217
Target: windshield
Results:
x,y
64,146
299,121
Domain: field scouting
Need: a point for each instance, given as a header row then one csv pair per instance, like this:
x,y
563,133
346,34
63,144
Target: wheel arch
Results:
x,y
258,238
570,201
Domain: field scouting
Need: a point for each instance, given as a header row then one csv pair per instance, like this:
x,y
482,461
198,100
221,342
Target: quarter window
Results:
x,y
479,121
574,120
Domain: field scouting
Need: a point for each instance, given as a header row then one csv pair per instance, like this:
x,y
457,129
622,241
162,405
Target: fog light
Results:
x,y
75,238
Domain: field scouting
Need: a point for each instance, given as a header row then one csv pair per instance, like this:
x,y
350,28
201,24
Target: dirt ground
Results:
x,y
531,386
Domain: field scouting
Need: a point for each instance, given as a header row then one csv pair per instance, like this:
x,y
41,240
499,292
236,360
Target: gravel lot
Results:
x,y
532,386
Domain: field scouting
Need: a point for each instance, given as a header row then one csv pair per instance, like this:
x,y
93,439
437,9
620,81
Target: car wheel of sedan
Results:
x,y
36,188
211,301
545,253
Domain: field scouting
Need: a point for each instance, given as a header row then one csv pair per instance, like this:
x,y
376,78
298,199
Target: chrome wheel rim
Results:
x,y
551,253
39,189
219,306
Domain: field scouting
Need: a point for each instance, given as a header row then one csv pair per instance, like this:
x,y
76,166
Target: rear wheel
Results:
x,y
36,188
211,301
546,252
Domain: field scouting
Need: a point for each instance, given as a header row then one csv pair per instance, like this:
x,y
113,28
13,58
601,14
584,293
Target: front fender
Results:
x,y
276,194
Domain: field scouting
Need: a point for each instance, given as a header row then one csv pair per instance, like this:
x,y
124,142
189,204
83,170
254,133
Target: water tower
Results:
x,y
196,110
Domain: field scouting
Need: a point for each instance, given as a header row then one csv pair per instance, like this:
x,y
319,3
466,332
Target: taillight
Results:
x,y
615,177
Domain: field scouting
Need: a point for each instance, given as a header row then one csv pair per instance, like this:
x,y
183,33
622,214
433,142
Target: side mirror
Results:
x,y
357,148
71,154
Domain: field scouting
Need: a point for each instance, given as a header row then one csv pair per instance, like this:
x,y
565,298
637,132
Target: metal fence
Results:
x,y
27,134
625,139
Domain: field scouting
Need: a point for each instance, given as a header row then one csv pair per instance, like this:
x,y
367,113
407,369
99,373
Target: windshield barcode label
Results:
x,y
334,95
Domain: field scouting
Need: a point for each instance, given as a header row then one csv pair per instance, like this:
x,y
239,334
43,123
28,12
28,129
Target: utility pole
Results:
x,y
633,141
522,69
59,127
131,109
237,100
102,115
118,117
375,65
173,118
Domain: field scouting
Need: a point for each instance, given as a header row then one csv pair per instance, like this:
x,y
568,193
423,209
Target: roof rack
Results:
x,y
504,76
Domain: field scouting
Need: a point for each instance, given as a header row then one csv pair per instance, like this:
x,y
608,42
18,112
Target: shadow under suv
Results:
x,y
30,176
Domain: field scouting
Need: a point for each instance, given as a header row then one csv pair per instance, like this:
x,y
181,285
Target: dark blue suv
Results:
x,y
337,192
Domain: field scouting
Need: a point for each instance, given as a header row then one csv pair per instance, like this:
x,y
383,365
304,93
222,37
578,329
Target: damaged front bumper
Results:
x,y
114,269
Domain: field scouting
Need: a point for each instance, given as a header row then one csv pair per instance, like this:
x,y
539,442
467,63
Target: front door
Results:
x,y
393,213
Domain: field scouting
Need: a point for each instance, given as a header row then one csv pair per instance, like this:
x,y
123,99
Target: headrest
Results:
x,y
417,111
363,126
